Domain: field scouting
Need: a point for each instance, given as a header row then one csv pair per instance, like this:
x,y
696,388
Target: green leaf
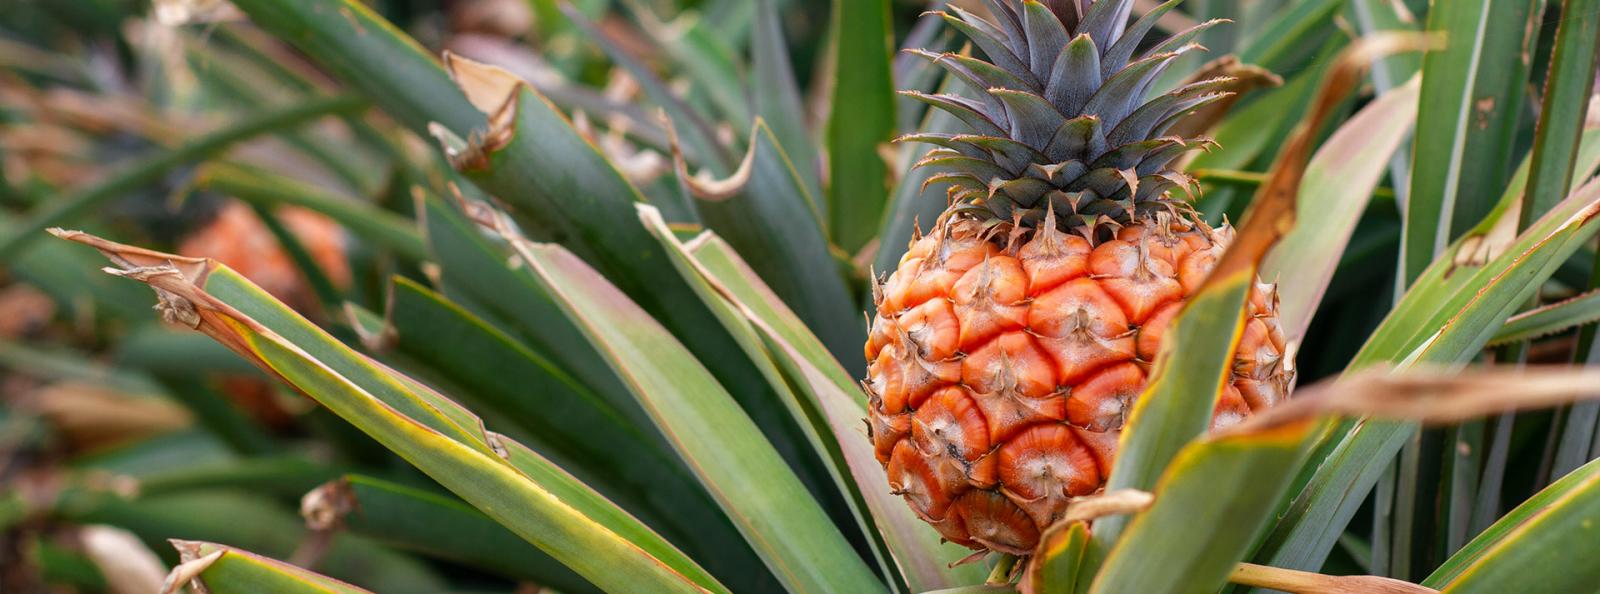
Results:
x,y
1473,89
1567,89
1175,406
566,421
1551,535
348,39
559,182
860,121
444,528
719,442
1338,183
283,475
328,298
1054,567
1457,270
1251,134
708,61
1454,308
248,520
479,273
511,379
509,483
160,350
1477,260
547,170
485,277
821,438
696,131
533,509
1549,319
233,78
1373,16
68,209
833,401
771,223
1193,364
1278,40
1232,481
777,99
225,570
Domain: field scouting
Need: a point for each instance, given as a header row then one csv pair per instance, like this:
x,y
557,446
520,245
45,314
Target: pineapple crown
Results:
x,y
1058,114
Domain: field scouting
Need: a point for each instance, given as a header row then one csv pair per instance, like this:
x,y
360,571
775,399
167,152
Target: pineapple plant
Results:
x,y
595,317
1010,342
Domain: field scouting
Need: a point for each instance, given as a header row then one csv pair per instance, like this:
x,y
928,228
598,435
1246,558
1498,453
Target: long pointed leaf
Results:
x,y
1473,89
1551,535
860,121
225,570
559,183
1453,310
528,495
777,99
442,527
1338,183
719,442
770,222
923,561
1232,481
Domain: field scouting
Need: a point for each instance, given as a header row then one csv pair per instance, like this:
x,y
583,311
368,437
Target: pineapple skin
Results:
x,y
1002,364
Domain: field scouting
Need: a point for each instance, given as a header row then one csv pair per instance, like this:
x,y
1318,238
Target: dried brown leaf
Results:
x,y
1305,582
1272,213
1119,502
1434,396
129,566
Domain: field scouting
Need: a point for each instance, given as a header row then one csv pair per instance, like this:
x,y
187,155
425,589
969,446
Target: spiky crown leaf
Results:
x,y
1058,113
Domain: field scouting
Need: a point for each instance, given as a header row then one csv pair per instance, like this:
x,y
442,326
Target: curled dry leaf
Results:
x,y
325,507
129,567
175,13
1432,396
177,281
1272,213
191,565
491,89
495,92
704,186
1305,582
93,416
1118,502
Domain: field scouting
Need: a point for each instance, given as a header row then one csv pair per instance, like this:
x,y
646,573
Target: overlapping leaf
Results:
x,y
833,400
516,487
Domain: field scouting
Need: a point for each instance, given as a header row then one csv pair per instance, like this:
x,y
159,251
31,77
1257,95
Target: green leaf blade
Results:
x,y
768,503
1233,481
234,570
1552,535
862,119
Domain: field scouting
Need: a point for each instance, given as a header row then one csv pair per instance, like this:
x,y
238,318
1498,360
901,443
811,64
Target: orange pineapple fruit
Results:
x,y
1009,344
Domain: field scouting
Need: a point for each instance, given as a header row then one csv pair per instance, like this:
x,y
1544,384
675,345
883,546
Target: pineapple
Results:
x,y
1010,342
